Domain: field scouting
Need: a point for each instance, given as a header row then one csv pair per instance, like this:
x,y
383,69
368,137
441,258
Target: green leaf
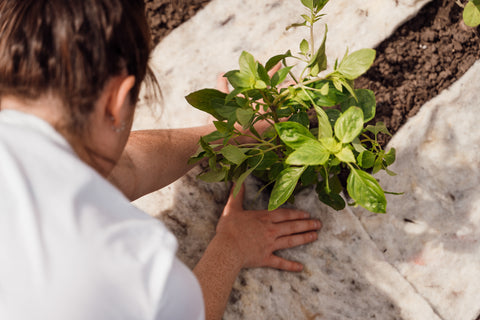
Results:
x,y
330,96
307,18
331,144
366,159
227,112
259,84
319,4
366,191
222,127
324,90
319,60
263,74
206,147
207,101
390,156
275,171
213,176
337,84
303,95
334,162
245,116
267,160
200,155
310,153
280,76
378,165
233,94
295,25
240,80
335,184
390,173
348,84
233,154
308,4
272,62
309,176
349,125
357,63
471,13
366,102
293,134
330,195
346,155
377,128
304,46
395,193
357,145
247,63
284,186
240,180
331,199
324,126
215,135
302,118
333,115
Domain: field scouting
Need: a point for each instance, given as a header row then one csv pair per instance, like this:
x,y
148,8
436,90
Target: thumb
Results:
x,y
222,83
274,69
236,202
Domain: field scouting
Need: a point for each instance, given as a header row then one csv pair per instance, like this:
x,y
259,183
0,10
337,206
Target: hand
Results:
x,y
256,235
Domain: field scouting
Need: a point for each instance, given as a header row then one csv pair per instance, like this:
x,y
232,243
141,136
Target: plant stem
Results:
x,y
264,96
290,72
312,39
299,85
249,136
327,186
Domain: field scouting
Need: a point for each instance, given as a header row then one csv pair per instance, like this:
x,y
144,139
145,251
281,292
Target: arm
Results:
x,y
153,159
247,239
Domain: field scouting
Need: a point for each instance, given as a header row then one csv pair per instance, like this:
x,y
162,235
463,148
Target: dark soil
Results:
x,y
421,58
166,15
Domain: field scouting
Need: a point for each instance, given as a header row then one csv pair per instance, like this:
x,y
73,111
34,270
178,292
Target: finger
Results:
x,y
283,264
236,202
274,69
281,215
298,226
222,84
286,84
294,240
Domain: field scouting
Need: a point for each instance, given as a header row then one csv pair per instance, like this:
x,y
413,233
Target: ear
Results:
x,y
117,106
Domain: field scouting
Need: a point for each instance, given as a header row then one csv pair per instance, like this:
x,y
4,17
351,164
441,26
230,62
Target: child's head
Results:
x,y
71,48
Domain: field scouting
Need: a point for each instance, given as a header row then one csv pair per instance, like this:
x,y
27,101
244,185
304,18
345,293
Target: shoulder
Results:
x,y
90,245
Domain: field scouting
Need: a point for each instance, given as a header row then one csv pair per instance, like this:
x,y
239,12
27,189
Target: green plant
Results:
x,y
471,13
293,153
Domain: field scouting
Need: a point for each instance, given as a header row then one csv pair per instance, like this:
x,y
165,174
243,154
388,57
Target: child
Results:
x,y
71,244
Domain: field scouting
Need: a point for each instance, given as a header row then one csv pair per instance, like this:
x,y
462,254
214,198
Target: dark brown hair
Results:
x,y
71,48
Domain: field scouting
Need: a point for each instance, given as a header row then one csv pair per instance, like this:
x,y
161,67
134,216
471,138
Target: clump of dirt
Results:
x,y
420,59
166,15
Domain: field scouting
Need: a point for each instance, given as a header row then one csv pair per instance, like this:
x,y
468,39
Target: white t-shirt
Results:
x,y
72,247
